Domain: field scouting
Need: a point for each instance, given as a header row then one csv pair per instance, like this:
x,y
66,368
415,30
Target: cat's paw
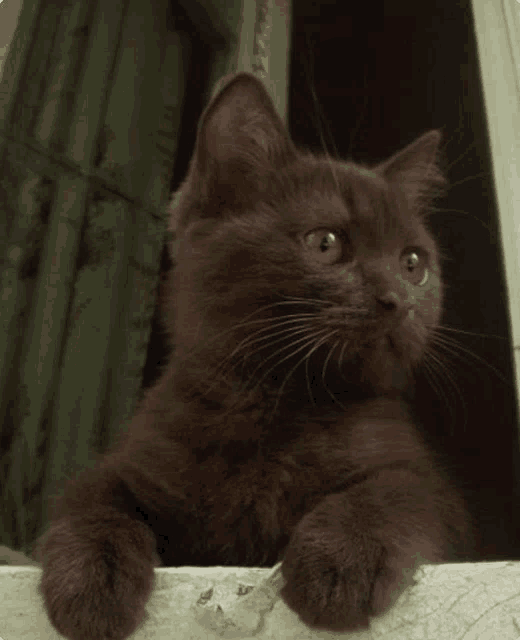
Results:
x,y
337,583
95,586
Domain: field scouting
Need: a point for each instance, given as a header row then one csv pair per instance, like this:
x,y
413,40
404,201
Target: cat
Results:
x,y
302,298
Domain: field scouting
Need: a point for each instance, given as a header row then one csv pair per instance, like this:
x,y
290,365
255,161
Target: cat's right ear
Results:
x,y
416,171
241,141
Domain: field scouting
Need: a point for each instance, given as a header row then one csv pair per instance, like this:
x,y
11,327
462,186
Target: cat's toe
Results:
x,y
98,591
330,579
326,594
87,603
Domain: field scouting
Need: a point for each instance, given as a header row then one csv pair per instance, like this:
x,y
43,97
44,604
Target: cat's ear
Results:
x,y
241,138
416,171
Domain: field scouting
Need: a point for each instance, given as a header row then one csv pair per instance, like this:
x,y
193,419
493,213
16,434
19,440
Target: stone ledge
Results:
x,y
470,601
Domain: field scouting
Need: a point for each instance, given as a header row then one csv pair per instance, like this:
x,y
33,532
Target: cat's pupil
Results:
x,y
327,241
413,260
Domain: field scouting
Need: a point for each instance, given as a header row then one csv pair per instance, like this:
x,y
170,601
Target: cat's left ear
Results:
x,y
241,138
416,171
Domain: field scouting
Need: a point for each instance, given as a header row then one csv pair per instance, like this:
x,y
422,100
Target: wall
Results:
x,y
9,11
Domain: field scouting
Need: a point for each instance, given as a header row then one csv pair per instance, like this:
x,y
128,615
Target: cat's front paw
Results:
x,y
337,582
328,586
95,586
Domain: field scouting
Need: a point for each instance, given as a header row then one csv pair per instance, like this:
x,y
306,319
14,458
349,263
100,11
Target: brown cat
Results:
x,y
303,296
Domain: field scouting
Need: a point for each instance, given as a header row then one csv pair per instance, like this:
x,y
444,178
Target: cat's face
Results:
x,y
293,266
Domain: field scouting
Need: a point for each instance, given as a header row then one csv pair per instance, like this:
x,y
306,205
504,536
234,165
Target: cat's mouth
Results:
x,y
384,341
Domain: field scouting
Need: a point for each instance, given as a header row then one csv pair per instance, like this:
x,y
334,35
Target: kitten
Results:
x,y
303,296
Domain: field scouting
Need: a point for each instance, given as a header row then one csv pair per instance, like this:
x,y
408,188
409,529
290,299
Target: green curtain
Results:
x,y
91,103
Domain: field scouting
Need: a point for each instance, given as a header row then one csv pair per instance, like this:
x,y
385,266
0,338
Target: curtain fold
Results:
x,y
91,105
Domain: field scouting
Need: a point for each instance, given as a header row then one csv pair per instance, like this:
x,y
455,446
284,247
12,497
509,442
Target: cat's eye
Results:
x,y
413,266
325,245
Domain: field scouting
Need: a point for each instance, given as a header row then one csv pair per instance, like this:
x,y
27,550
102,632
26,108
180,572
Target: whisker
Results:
x,y
469,333
291,332
323,376
306,300
246,342
311,396
445,369
291,354
459,158
276,353
317,345
244,386
482,174
487,227
252,339
309,64
451,346
246,322
342,353
431,374
436,381
341,356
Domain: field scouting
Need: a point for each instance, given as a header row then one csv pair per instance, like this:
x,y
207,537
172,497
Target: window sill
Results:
x,y
470,600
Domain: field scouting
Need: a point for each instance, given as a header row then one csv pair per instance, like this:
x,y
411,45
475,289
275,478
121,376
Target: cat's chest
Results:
x,y
267,492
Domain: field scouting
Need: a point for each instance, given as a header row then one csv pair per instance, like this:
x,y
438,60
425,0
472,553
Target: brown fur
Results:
x,y
253,447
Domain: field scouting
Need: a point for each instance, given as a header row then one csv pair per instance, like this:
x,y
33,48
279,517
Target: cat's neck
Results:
x,y
222,410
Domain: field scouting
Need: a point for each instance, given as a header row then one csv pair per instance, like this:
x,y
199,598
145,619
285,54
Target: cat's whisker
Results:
x,y
253,339
447,372
323,376
445,327
291,332
307,378
248,341
482,174
445,367
461,156
298,319
246,322
286,357
307,300
309,64
270,357
342,354
341,358
306,357
454,348
257,383
433,376
437,210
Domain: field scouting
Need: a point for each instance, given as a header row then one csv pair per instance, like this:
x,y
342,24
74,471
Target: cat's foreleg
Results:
x,y
98,571
355,552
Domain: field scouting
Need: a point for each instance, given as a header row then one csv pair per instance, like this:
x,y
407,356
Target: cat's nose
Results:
x,y
389,302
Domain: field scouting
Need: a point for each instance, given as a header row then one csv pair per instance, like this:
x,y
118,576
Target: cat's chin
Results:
x,y
383,367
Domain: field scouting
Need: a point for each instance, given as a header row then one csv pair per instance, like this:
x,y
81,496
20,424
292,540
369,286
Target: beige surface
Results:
x,y
497,28
449,602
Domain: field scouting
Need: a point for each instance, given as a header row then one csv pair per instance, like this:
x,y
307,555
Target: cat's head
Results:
x,y
294,269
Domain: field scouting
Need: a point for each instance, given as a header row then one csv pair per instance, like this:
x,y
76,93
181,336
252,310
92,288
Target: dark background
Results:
x,y
383,73
365,80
